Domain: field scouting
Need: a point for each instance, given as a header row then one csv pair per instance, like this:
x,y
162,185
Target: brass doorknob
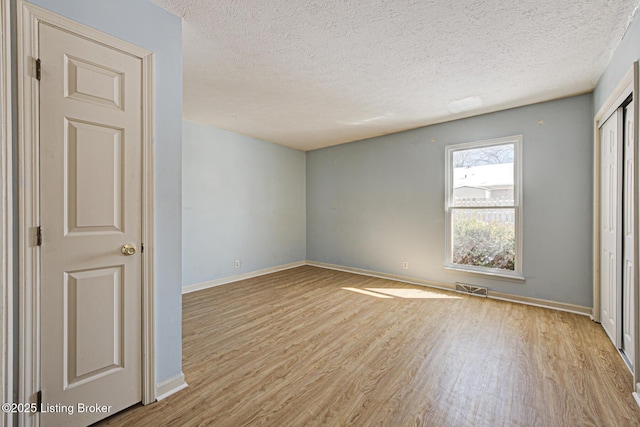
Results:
x,y
128,249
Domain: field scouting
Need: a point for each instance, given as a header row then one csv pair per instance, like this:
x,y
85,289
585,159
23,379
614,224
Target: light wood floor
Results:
x,y
310,346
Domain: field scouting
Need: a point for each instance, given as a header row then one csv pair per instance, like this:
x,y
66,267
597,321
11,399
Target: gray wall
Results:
x,y
622,60
144,24
242,199
375,203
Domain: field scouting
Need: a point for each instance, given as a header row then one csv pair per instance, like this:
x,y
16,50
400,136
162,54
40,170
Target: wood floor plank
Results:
x,y
310,347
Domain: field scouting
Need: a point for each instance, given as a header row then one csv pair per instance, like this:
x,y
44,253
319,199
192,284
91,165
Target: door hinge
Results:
x,y
39,236
39,401
141,248
38,69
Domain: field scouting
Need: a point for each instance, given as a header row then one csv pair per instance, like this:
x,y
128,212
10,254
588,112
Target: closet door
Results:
x,y
610,221
628,275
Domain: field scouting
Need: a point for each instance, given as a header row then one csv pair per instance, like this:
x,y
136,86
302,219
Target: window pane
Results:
x,y
483,176
484,238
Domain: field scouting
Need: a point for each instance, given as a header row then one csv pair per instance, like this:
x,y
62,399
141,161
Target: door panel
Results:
x,y
610,218
93,174
93,297
93,83
91,192
628,237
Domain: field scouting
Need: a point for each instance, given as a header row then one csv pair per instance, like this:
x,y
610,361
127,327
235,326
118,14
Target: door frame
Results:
x,y
6,209
29,17
628,86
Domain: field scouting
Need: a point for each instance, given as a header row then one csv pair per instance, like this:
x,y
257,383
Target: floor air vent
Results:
x,y
471,289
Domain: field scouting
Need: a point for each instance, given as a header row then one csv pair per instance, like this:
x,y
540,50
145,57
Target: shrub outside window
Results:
x,y
484,206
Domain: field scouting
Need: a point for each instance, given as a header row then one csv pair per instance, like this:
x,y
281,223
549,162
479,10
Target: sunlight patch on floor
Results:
x,y
371,294
402,293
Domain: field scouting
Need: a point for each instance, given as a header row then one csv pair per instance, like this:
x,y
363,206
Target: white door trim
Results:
x,y
627,86
6,209
29,16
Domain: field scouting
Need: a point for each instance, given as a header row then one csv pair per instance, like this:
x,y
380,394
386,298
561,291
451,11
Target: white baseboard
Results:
x,y
170,386
561,306
230,279
571,308
637,398
370,273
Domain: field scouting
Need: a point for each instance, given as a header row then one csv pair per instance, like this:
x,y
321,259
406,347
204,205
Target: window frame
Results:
x,y
517,273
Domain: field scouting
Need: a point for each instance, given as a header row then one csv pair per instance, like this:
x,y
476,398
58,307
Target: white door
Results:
x,y
628,275
610,219
91,192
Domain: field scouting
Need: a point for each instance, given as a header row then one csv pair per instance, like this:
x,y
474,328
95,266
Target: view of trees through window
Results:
x,y
483,209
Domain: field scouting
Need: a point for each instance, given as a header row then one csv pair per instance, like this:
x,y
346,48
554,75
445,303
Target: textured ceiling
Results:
x,y
314,73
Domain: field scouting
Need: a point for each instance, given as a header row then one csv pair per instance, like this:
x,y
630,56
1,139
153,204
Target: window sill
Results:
x,y
488,274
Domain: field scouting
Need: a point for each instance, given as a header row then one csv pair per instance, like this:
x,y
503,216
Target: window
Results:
x,y
484,206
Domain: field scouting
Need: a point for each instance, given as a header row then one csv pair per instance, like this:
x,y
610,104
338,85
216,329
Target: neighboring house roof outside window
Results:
x,y
485,177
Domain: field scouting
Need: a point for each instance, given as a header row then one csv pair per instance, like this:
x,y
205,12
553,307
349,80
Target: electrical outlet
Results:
x,y
405,265
237,263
